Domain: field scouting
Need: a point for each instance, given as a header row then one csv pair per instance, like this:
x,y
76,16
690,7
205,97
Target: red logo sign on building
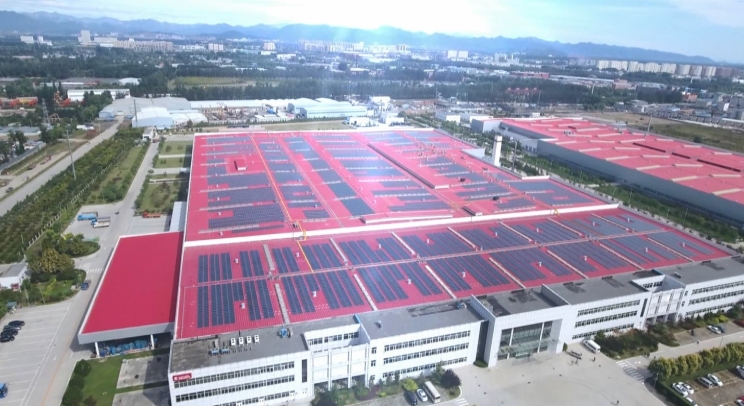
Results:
x,y
181,377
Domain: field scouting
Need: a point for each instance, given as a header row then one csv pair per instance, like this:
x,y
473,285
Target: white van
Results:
x,y
592,346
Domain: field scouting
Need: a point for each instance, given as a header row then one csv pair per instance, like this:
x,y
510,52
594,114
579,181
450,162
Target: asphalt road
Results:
x,y
49,384
33,184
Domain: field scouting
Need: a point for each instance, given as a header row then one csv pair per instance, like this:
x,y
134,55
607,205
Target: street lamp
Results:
x,y
74,176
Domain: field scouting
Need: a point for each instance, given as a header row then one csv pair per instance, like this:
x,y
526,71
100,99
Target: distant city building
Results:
x,y
682,69
724,72
27,39
84,37
652,67
668,68
105,41
269,46
708,71
216,47
696,70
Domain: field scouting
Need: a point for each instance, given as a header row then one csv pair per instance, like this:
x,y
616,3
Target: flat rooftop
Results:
x,y
139,285
516,302
699,167
592,290
258,183
406,321
706,270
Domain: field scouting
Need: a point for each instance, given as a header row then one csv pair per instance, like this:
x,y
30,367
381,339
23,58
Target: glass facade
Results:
x,y
524,341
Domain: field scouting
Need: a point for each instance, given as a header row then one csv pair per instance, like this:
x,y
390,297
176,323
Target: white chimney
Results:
x,y
497,151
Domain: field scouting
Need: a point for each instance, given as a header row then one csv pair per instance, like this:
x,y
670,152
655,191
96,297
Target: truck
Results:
x,y
3,390
91,215
101,222
85,285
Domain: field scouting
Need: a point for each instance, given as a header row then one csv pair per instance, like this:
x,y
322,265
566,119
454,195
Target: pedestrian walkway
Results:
x,y
460,402
632,371
94,270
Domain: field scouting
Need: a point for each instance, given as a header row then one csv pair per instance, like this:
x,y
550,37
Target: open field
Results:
x,y
633,120
173,163
177,147
192,81
715,137
118,176
307,126
159,197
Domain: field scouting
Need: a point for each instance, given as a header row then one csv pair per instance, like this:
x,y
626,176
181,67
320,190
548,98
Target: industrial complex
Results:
x,y
704,178
313,258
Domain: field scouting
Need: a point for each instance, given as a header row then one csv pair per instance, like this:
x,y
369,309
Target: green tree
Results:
x,y
397,377
409,384
450,379
51,261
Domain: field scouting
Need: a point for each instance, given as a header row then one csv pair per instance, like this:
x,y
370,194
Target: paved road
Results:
x,y
48,386
32,185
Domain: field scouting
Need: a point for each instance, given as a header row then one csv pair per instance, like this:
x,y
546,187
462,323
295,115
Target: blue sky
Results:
x,y
713,28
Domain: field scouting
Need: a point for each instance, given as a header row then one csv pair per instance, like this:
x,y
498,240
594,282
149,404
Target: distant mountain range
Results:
x,y
59,24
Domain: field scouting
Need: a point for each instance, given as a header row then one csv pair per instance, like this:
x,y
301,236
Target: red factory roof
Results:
x,y
696,166
242,284
139,285
251,184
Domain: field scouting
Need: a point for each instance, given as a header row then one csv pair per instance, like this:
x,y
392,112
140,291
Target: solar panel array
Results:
x,y
250,263
284,260
639,250
546,231
321,256
530,264
384,282
680,244
595,226
500,237
550,193
360,253
440,243
337,288
247,216
450,270
633,223
240,180
216,304
575,254
233,197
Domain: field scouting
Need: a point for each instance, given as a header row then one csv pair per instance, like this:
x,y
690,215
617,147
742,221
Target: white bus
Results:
x,y
592,346
432,392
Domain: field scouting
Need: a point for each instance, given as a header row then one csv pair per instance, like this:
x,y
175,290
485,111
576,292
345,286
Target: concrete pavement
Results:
x,y
32,185
49,385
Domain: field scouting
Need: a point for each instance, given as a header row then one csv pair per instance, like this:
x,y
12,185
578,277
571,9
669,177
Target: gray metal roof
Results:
x,y
705,271
12,270
127,105
516,302
395,322
591,290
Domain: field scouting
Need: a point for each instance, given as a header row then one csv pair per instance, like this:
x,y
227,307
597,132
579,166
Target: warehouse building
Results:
x,y
288,289
159,112
700,177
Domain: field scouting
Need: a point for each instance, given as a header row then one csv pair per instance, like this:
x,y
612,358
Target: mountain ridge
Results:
x,y
62,24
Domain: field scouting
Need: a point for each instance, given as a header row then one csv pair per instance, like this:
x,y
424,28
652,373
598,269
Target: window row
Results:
x,y
609,307
426,367
606,318
261,400
330,339
234,374
702,312
652,284
427,353
424,341
717,287
234,388
716,297
607,330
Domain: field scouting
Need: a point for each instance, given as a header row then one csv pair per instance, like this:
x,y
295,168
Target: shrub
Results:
x,y
77,381
72,397
565,347
82,368
90,401
381,394
409,384
482,364
450,379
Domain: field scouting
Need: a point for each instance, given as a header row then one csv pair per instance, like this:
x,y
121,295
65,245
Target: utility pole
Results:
x,y
74,175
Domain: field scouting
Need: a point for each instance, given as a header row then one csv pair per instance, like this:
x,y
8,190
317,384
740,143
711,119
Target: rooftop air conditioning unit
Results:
x,y
241,340
248,340
233,342
255,338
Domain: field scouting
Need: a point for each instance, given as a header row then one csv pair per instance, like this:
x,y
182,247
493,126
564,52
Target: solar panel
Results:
x,y
203,275
316,214
254,311
420,206
325,286
250,215
357,207
263,293
289,290
356,299
241,196
284,177
202,307
241,180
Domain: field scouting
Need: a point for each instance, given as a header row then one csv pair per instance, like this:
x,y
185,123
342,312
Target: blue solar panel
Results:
x,y
203,275
284,177
316,214
226,266
254,311
241,180
241,196
398,184
420,206
325,286
342,190
546,231
574,254
203,307
277,167
250,215
513,204
680,244
356,299
294,302
376,172
263,293
216,170
330,176
439,244
357,207
641,247
524,264
339,289
500,237
214,267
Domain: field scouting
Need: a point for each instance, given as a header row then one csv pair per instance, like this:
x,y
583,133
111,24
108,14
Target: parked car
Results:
x,y
690,401
5,339
705,382
714,379
11,332
740,370
714,329
680,389
422,395
720,327
9,327
687,386
19,323
411,398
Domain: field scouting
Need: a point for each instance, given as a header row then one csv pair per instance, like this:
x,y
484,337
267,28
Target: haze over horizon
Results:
x,y
689,27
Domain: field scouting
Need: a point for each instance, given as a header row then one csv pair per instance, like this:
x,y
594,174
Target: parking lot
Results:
x,y
21,359
733,388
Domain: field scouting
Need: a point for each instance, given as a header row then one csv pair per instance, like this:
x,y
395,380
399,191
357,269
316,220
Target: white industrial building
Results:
x,y
77,95
159,112
12,276
274,365
447,116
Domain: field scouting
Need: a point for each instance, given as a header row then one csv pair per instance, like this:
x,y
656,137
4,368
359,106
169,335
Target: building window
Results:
x,y
609,307
716,297
718,287
423,354
607,330
234,388
426,367
606,318
261,400
424,341
374,350
374,363
234,374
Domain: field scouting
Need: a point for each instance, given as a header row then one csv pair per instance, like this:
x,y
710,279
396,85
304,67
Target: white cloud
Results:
x,y
729,13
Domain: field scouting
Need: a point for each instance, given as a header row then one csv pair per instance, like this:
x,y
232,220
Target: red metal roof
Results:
x,y
665,158
139,286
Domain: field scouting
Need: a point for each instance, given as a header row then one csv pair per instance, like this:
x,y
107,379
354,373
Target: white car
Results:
x,y
422,395
689,388
680,389
714,379
739,402
690,401
714,329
